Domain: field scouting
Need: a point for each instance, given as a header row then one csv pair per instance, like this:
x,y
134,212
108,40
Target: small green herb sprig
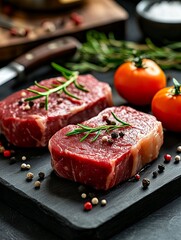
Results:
x,y
70,77
101,53
88,130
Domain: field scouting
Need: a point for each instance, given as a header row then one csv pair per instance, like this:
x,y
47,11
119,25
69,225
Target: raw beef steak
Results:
x,y
27,124
109,160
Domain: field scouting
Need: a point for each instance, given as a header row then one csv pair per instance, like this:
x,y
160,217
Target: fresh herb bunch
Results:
x,y
70,77
102,53
88,130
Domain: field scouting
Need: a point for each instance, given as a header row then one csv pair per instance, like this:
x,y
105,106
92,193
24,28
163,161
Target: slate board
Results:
x,y
57,205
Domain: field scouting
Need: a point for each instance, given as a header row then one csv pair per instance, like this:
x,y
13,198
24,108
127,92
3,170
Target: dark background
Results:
x,y
162,224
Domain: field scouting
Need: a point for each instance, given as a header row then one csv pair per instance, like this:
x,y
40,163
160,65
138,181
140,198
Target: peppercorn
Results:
x,y
81,189
83,195
12,160
177,159
20,102
161,168
94,201
31,103
121,134
41,105
104,139
28,166
7,153
155,174
23,166
179,149
145,182
103,202
114,135
2,149
87,206
110,141
167,158
41,175
23,158
29,176
37,184
137,177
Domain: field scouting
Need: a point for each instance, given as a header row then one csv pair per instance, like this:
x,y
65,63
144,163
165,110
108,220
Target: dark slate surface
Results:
x,y
55,208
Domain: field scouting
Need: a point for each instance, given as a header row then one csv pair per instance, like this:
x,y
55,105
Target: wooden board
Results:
x,y
57,205
102,15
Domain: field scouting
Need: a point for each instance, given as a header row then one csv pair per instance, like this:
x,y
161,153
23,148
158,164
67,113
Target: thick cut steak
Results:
x,y
103,164
31,125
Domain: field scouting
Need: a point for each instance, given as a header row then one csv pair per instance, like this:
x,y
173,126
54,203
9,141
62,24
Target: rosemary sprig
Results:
x,y
70,77
89,130
102,53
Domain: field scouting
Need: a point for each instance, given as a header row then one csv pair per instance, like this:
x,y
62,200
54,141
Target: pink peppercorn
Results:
x,y
88,206
137,177
7,153
167,158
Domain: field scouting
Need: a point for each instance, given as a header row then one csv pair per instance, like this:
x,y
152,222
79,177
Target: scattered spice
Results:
x,y
2,149
103,202
155,174
104,139
37,184
81,189
114,135
12,160
7,153
121,134
29,176
145,183
161,168
137,177
41,175
89,130
87,206
23,158
177,159
167,158
179,149
25,166
83,195
28,166
94,201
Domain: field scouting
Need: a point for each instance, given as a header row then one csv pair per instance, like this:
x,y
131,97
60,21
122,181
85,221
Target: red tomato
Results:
x,y
166,107
138,85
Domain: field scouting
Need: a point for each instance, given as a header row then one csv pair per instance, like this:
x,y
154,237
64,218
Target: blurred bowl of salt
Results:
x,y
160,20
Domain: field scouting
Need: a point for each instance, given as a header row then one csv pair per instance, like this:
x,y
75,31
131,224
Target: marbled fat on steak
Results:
x,y
103,165
26,126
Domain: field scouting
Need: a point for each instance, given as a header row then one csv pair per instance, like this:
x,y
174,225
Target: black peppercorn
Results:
x,y
161,168
41,175
114,135
145,182
12,160
121,134
155,174
31,103
42,105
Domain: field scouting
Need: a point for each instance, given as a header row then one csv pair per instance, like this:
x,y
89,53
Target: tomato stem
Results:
x,y
138,61
177,86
